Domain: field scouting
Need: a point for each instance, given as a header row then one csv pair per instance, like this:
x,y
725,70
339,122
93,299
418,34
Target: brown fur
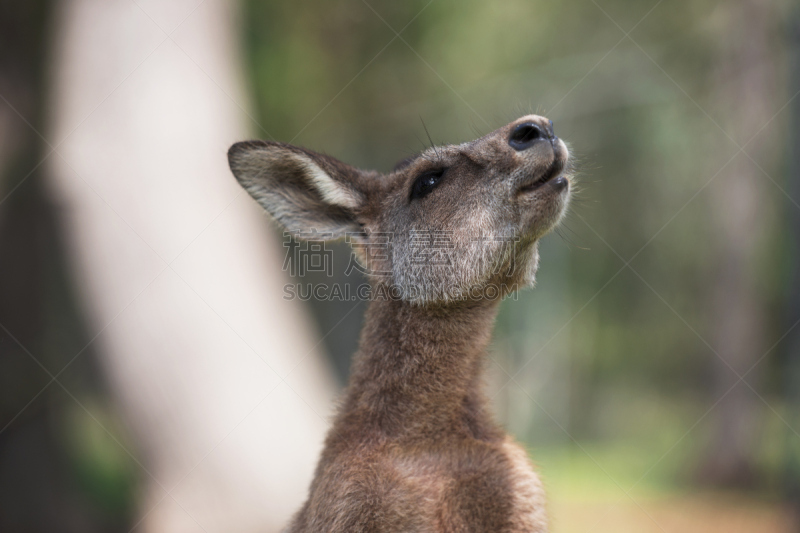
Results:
x,y
414,447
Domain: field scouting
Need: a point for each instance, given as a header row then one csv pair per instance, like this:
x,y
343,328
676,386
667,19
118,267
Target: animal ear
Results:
x,y
304,191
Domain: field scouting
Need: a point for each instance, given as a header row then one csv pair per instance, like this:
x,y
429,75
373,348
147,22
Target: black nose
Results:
x,y
524,135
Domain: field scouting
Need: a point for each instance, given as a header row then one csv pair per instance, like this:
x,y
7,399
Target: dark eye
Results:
x,y
426,182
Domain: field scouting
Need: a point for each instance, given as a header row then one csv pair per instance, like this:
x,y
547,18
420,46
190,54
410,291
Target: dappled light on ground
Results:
x,y
705,513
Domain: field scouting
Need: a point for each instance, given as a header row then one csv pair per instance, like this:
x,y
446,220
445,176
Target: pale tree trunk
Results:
x,y
740,206
176,266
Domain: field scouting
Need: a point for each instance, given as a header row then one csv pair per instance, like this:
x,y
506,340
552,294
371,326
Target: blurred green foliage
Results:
x,y
103,468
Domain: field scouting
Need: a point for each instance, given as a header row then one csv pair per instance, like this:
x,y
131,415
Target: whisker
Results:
x,y
430,139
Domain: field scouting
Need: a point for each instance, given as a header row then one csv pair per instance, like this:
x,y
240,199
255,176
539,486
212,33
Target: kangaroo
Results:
x,y
414,447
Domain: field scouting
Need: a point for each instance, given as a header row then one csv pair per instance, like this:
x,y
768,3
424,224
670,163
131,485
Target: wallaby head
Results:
x,y
484,202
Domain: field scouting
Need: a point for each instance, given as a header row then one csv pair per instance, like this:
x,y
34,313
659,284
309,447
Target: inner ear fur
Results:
x,y
305,192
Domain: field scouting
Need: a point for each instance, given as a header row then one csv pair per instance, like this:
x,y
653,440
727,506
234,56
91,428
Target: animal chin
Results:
x,y
551,173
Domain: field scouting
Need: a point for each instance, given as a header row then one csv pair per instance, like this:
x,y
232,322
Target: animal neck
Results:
x,y
418,371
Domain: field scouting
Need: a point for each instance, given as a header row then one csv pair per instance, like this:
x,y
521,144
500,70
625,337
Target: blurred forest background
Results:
x,y
654,373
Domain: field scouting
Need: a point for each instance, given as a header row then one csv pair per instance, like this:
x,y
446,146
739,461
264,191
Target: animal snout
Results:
x,y
525,135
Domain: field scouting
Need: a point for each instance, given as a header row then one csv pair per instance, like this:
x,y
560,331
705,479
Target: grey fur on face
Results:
x,y
444,226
